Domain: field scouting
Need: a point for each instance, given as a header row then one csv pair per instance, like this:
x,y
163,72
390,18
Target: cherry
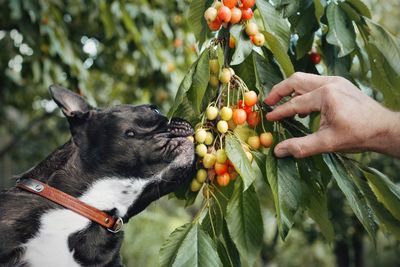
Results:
x,y
253,119
201,150
221,155
247,13
236,15
201,175
266,139
258,39
210,14
209,160
214,66
191,139
248,3
221,168
209,139
251,29
222,127
200,135
254,142
239,116
195,185
315,57
223,180
250,98
244,106
226,113
225,75
214,81
230,3
212,113
217,5
224,14
215,25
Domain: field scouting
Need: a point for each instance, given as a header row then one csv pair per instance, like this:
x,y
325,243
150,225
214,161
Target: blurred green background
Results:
x,y
138,51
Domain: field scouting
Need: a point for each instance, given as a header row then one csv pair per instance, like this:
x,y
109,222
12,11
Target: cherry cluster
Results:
x,y
235,106
232,12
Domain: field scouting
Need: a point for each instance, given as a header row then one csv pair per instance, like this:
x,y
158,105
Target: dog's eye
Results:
x,y
155,109
129,133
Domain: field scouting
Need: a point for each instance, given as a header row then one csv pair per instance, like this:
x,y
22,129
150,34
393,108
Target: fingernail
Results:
x,y
281,151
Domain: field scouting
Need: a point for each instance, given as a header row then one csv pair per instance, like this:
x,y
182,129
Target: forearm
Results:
x,y
387,140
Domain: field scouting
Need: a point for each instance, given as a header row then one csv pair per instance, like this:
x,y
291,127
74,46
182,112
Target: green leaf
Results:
x,y
319,10
341,31
197,22
243,44
182,90
315,197
274,23
189,98
339,66
279,53
387,222
385,190
188,246
200,81
384,79
360,7
227,250
245,222
354,196
267,72
171,246
386,43
246,71
237,156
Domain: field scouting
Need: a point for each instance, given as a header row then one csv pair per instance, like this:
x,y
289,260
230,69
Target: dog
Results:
x,y
118,160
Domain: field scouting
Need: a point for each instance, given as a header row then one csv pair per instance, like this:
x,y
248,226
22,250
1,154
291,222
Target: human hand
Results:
x,y
350,121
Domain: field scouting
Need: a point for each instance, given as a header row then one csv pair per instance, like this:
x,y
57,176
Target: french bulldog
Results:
x,y
118,160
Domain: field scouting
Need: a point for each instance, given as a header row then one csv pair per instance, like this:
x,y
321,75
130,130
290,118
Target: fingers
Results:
x,y
299,83
306,146
303,105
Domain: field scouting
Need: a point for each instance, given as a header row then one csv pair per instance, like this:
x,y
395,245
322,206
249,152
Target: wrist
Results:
x,y
387,136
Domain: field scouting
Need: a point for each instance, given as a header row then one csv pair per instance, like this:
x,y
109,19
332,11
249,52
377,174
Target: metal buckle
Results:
x,y
32,184
117,226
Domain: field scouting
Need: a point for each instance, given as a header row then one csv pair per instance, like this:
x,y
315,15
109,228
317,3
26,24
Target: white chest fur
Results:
x,y
49,247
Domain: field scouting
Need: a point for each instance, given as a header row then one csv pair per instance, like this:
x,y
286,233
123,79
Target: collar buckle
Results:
x,y
117,227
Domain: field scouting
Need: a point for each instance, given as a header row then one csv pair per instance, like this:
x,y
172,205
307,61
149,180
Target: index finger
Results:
x,y
299,83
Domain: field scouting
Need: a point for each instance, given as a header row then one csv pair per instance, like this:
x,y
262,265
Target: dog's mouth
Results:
x,y
179,128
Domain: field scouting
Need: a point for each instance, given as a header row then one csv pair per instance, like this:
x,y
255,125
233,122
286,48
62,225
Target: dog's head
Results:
x,y
129,142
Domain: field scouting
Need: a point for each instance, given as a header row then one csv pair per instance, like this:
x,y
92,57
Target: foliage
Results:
x,y
342,33
142,49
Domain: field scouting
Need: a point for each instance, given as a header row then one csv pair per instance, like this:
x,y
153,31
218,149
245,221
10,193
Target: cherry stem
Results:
x,y
224,35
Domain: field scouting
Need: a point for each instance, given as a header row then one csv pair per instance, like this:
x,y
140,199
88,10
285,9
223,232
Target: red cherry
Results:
x,y
244,107
253,119
220,168
248,3
239,116
224,14
315,57
236,15
230,3
215,25
247,13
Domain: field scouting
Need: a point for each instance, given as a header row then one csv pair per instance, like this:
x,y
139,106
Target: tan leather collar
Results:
x,y
112,224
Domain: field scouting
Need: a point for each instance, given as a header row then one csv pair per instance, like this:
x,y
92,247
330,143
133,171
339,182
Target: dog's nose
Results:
x,y
180,128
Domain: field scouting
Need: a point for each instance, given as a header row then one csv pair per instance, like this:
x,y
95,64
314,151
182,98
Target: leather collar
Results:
x,y
113,224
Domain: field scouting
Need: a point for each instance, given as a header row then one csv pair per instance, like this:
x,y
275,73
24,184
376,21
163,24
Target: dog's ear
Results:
x,y
72,105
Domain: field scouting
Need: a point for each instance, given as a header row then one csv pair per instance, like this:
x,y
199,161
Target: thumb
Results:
x,y
301,147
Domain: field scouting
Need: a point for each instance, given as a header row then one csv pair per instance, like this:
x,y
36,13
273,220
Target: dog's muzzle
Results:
x,y
180,128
